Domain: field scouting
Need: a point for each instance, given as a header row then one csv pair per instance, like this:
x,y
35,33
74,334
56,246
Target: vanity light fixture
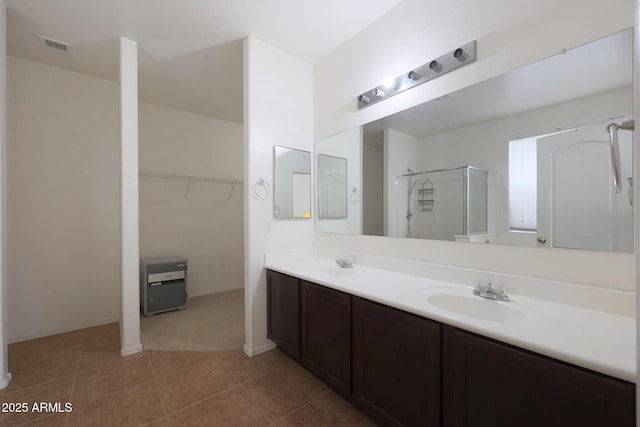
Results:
x,y
440,66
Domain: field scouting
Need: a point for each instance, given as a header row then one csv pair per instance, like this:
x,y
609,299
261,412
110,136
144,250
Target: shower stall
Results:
x,y
441,204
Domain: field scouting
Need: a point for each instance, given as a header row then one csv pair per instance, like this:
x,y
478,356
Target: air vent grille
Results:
x,y
54,44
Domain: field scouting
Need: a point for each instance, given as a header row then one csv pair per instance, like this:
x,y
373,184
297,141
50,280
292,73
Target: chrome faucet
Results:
x,y
344,263
486,290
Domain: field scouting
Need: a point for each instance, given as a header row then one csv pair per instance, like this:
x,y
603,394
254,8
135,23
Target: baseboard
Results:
x,y
219,291
62,330
131,350
250,351
5,382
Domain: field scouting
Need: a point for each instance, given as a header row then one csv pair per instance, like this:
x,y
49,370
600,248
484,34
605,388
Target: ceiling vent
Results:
x,y
54,44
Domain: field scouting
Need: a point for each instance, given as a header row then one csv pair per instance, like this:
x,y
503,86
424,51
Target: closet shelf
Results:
x,y
190,178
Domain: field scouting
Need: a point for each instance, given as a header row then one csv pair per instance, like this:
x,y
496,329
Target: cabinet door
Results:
x,y
283,312
494,384
326,335
396,365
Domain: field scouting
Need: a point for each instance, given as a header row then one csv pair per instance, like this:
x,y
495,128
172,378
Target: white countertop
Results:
x,y
596,340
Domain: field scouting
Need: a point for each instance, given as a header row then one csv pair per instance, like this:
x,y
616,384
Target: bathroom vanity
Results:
x,y
412,367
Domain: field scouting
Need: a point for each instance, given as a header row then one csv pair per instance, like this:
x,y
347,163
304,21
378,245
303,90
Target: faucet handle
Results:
x,y
501,295
478,287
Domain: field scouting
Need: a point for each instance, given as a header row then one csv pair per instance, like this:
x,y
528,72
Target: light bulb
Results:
x,y
388,82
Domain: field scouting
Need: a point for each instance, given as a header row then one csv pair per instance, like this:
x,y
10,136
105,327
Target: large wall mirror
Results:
x,y
525,158
292,183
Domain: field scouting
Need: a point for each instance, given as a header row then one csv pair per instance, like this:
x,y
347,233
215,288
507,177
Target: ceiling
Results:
x,y
189,51
596,67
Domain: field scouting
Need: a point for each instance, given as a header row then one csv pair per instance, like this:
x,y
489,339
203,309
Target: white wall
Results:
x,y
277,93
63,200
347,145
509,34
207,226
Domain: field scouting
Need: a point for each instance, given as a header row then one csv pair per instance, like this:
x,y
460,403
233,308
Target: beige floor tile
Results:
x,y
43,371
98,336
231,408
160,422
136,405
66,340
246,368
285,390
100,357
197,388
328,410
24,353
54,391
164,362
98,383
185,387
53,420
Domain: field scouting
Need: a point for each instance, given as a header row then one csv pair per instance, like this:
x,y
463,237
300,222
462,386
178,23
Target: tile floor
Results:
x,y
204,388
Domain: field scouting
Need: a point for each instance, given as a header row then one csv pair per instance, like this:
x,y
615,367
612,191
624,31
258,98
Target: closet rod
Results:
x,y
191,178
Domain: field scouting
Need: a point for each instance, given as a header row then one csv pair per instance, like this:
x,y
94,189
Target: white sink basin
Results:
x,y
463,303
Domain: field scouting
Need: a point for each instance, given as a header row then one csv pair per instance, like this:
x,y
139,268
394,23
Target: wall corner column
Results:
x,y
129,224
5,376
636,192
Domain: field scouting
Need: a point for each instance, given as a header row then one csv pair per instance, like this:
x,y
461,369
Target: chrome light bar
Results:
x,y
440,66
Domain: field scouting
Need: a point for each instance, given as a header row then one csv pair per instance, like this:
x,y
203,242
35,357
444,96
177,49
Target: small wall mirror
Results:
x,y
292,183
332,186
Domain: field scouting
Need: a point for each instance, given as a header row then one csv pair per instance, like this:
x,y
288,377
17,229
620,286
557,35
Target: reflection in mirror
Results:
x,y
346,146
540,133
332,186
292,183
443,204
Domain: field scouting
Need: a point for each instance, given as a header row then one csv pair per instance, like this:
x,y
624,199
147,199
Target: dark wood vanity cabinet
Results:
x,y
396,365
326,334
405,370
283,312
311,323
488,383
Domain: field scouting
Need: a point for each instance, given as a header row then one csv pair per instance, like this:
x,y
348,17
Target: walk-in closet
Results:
x,y
191,194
